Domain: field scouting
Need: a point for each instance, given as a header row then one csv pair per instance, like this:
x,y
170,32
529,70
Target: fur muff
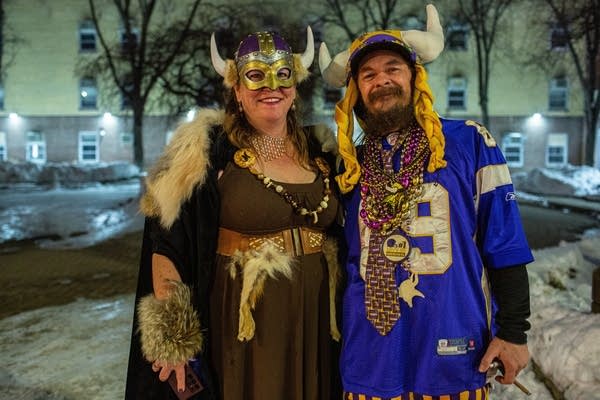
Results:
x,y
330,250
182,166
256,266
169,329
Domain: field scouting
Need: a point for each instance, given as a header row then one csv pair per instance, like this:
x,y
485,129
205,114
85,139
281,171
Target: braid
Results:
x,y
428,119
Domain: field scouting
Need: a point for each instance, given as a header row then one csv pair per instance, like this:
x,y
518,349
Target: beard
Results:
x,y
397,117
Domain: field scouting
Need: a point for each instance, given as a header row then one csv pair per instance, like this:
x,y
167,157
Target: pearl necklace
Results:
x,y
246,158
387,196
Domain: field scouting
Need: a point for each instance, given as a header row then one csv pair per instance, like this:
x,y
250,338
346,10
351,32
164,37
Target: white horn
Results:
x,y
333,71
428,45
217,61
309,54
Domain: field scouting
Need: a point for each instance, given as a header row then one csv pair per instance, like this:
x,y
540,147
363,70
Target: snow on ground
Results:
x,y
80,350
62,218
580,181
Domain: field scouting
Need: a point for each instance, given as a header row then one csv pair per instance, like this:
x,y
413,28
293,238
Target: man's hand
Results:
x,y
165,369
514,357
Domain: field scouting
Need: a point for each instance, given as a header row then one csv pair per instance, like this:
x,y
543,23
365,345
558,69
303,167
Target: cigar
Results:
x,y
498,366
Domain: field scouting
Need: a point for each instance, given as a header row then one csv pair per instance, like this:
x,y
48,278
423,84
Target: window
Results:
x,y
457,93
412,22
512,147
35,148
457,36
125,94
88,94
127,138
125,102
3,155
88,147
87,36
556,150
559,38
557,97
129,40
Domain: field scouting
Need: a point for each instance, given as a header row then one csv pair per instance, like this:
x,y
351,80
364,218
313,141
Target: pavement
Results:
x,y
34,277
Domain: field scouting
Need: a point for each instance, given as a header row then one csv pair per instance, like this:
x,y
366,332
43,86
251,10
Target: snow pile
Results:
x,y
77,351
564,336
580,181
66,174
68,218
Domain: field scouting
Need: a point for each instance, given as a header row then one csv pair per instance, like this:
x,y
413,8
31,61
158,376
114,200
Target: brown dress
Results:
x,y
289,356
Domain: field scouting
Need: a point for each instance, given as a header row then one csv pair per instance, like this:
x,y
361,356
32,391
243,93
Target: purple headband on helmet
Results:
x,y
379,41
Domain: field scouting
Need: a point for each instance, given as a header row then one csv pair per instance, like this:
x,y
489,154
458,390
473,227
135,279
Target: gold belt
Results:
x,y
295,241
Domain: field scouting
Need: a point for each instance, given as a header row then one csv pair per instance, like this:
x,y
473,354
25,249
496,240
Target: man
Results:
x,y
437,286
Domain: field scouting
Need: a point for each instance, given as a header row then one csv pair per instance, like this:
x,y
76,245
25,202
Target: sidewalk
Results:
x,y
573,203
579,204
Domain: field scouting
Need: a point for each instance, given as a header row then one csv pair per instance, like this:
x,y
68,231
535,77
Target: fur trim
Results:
x,y
182,166
301,71
231,74
330,250
169,329
256,266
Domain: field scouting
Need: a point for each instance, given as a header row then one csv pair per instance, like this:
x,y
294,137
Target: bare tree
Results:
x,y
354,17
9,42
579,24
142,54
192,79
483,18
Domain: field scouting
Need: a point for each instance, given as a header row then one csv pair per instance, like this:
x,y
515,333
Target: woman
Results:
x,y
237,279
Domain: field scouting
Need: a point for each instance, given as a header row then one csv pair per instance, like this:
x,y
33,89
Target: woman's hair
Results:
x,y
239,130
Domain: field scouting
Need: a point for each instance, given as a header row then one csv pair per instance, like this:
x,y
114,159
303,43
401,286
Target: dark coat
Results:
x,y
195,212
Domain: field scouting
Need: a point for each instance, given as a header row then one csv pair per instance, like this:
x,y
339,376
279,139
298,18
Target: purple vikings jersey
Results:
x,y
466,219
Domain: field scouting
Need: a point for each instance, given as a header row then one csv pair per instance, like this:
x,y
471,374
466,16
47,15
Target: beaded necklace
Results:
x,y
246,158
387,196
269,148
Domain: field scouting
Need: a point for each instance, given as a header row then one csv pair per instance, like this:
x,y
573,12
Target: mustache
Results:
x,y
385,91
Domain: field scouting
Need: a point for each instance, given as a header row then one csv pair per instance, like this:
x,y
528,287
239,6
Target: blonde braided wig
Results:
x,y
428,119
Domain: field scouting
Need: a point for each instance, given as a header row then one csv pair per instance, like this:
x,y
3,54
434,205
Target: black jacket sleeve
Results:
x,y
510,289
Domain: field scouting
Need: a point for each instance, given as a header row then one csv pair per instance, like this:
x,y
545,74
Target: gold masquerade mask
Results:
x,y
258,74
264,59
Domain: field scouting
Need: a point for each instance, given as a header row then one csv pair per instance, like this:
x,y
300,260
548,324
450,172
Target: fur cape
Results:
x,y
183,166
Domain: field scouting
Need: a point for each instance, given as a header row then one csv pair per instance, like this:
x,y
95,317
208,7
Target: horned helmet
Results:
x,y
264,59
418,48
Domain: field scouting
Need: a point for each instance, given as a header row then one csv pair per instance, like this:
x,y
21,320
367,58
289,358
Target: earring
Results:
x,y
240,108
294,106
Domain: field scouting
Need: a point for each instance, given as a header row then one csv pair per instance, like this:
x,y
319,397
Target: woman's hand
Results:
x,y
165,369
